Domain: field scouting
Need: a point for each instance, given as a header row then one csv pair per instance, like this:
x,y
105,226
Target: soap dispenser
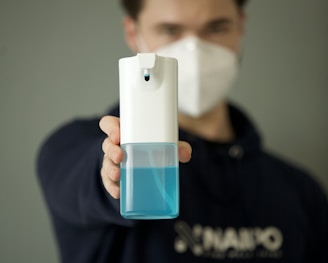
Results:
x,y
149,137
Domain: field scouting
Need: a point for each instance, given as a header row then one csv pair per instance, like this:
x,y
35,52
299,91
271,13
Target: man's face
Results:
x,y
162,22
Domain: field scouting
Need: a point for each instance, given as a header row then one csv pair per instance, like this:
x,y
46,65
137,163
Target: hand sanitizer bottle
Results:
x,y
149,136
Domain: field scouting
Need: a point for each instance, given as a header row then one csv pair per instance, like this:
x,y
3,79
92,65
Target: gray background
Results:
x,y
58,61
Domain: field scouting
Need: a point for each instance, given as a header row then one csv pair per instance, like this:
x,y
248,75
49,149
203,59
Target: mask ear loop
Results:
x,y
241,52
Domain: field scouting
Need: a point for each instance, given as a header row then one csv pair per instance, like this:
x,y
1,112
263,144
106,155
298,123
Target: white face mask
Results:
x,y
206,73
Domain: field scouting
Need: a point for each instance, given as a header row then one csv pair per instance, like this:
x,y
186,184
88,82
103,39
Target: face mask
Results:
x,y
206,74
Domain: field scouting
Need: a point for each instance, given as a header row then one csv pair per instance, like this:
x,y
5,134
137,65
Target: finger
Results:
x,y
185,151
111,126
112,150
110,174
112,188
106,144
110,169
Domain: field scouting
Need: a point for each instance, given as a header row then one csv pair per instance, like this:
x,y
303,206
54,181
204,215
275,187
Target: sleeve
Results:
x,y
68,168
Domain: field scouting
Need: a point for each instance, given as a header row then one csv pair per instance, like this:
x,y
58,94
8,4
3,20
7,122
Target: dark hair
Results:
x,y
133,7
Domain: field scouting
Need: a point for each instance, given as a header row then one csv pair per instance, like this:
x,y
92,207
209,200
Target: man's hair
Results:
x,y
133,7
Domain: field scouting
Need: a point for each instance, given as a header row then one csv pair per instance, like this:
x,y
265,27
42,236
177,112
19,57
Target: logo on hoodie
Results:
x,y
229,242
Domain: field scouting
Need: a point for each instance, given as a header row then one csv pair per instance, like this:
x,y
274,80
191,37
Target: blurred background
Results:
x,y
58,61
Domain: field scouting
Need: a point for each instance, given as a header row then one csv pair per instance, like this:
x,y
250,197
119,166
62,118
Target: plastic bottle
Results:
x,y
149,135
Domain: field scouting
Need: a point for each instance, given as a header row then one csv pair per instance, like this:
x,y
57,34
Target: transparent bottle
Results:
x,y
149,182
149,135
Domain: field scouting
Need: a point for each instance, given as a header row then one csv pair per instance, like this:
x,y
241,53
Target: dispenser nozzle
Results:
x,y
146,74
146,63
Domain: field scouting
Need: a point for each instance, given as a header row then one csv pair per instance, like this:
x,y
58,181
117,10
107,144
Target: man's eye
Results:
x,y
221,26
171,31
218,29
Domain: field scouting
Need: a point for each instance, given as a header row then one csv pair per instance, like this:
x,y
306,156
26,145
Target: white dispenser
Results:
x,y
149,137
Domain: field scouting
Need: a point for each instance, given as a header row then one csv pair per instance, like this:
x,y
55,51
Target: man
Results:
x,y
238,203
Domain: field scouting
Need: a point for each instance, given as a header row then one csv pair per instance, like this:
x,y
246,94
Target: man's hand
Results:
x,y
113,154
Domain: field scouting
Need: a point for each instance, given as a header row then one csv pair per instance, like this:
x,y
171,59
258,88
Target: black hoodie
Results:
x,y
237,204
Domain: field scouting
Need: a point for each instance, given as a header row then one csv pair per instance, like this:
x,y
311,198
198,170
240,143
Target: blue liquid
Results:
x,y
149,193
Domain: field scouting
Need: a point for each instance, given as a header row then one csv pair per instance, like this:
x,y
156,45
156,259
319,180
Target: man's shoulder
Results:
x,y
71,134
75,132
281,164
292,177
77,128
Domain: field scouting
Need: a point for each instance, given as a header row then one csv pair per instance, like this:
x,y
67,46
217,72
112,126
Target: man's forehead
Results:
x,y
181,11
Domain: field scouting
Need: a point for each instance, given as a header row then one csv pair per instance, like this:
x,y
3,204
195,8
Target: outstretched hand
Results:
x,y
113,154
